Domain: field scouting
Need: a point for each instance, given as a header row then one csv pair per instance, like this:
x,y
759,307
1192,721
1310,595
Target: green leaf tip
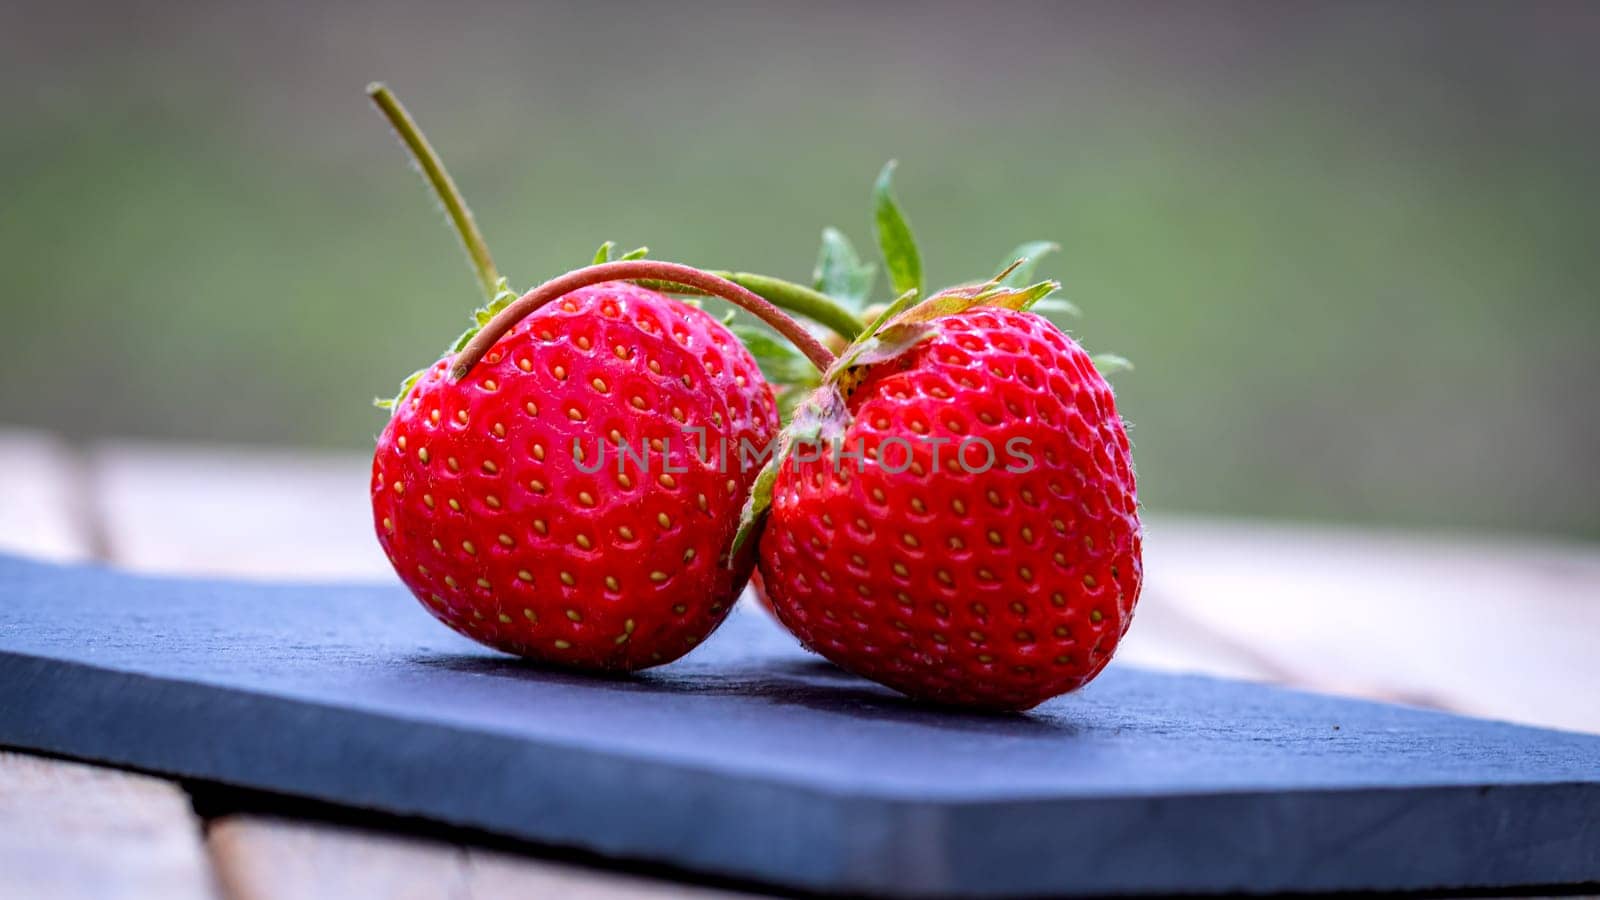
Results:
x,y
635,253
1108,364
840,273
899,248
603,255
1018,267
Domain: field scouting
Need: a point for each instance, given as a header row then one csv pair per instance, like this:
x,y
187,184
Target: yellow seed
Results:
x,y
1095,616
454,504
427,500
399,488
624,480
680,609
655,367
628,626
574,615
611,583
1089,582
467,546
531,407
530,615
434,415
401,441
621,351
483,583
959,507
454,465
585,498
663,520
461,416
525,364
701,501
574,414
562,645
625,533
450,582
490,467
388,523
492,501
944,577
422,453
505,540
688,554
599,384
910,540
900,569
667,481
583,541
505,618
438,546
567,579
499,430
658,576
560,372
524,574
422,570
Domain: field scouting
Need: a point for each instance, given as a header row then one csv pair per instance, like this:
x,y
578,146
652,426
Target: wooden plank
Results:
x,y
266,858
43,513
69,830
232,511
1496,628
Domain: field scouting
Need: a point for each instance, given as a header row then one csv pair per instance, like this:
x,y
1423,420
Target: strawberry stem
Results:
x,y
637,270
433,169
800,300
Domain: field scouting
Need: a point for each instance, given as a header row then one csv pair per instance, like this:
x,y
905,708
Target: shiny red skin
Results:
x,y
488,517
994,589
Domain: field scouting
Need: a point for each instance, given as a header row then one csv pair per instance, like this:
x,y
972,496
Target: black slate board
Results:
x,y
754,760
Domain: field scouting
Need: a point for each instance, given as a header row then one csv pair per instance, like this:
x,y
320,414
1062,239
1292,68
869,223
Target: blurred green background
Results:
x,y
1352,248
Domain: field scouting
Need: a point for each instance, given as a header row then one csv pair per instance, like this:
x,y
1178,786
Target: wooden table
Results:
x,y
1497,628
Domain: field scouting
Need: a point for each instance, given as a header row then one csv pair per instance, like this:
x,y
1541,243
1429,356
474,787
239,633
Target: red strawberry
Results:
x,y
492,501
560,488
993,581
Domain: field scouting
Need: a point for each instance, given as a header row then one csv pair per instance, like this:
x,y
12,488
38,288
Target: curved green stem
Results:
x,y
443,186
800,300
697,280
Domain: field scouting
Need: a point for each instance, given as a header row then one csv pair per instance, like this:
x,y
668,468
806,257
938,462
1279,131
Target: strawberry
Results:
x,y
953,513
556,486
503,505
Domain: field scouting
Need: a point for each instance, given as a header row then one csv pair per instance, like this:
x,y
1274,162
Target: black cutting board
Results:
x,y
755,760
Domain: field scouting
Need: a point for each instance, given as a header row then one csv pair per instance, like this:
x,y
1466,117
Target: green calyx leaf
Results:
x,y
900,256
1018,267
780,362
503,297
821,418
1108,364
405,388
603,255
840,273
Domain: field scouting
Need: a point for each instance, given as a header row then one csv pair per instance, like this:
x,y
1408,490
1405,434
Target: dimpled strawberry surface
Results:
x,y
500,502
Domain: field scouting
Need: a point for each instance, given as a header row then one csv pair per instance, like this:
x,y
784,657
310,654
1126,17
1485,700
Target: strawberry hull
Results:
x,y
985,549
556,502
